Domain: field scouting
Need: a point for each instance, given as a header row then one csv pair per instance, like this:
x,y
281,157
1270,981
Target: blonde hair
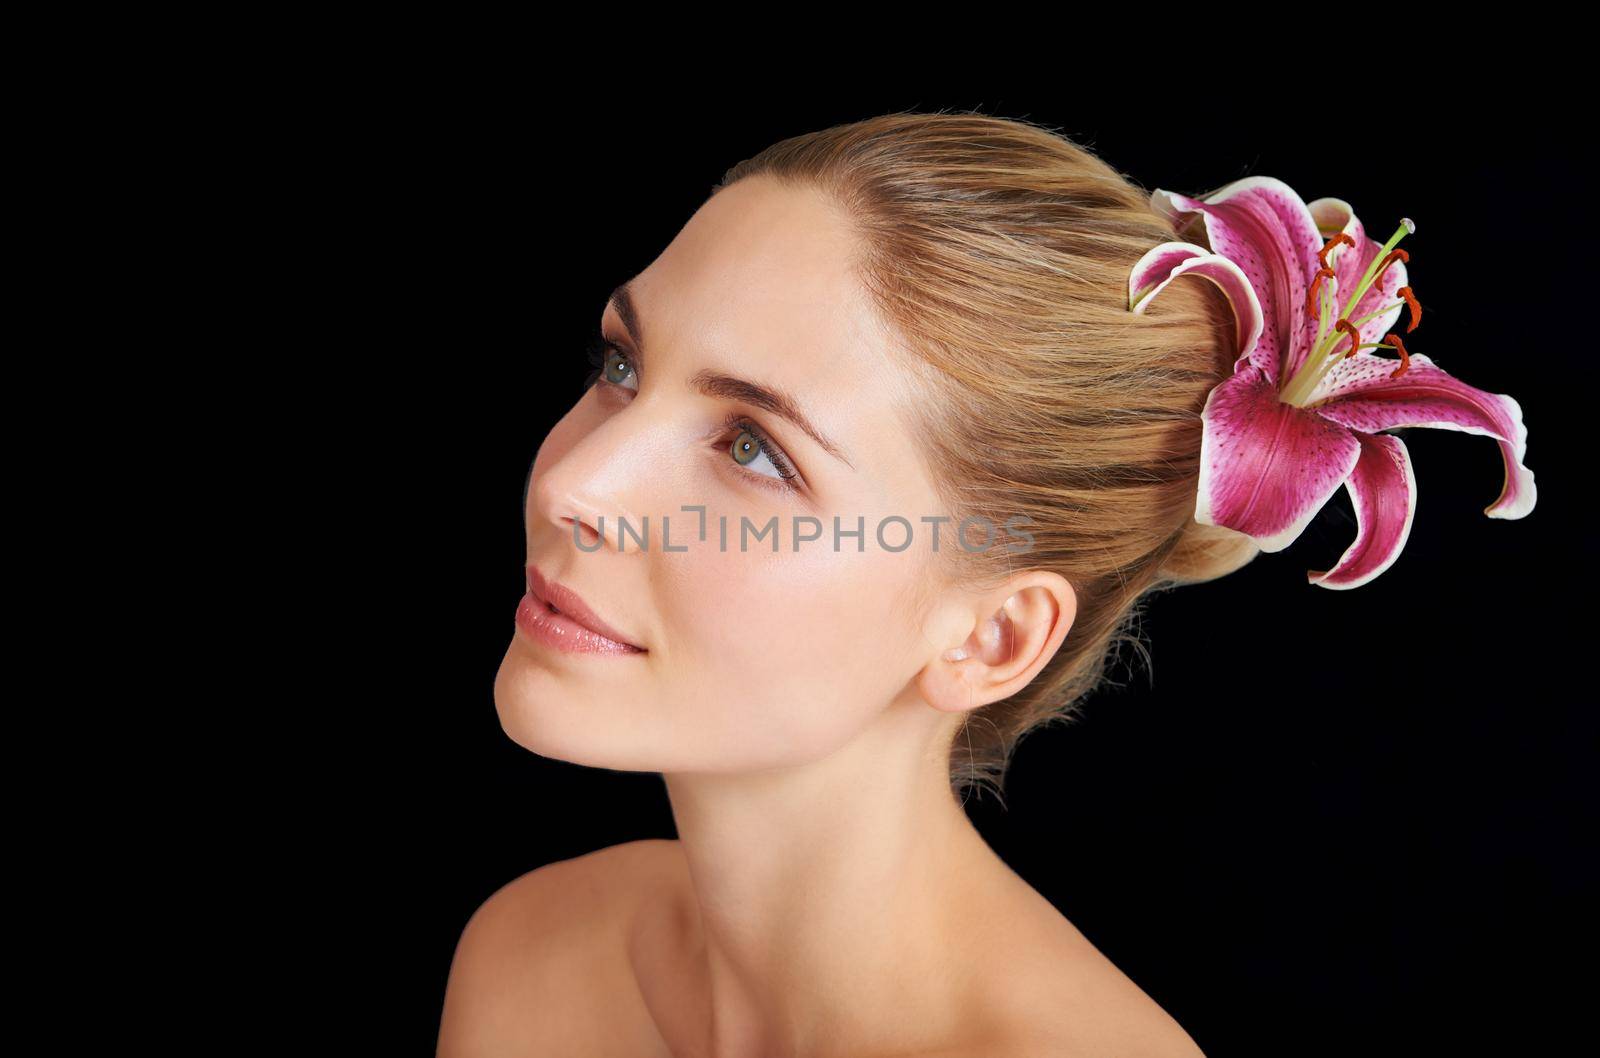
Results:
x,y
999,252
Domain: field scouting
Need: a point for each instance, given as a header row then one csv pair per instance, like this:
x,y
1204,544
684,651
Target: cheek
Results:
x,y
791,653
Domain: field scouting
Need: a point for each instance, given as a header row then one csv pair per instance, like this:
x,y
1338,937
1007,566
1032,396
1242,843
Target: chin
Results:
x,y
544,713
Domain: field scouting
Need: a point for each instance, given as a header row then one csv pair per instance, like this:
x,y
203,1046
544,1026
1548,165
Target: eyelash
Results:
x,y
600,349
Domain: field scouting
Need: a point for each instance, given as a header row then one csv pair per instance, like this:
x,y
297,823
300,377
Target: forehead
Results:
x,y
760,283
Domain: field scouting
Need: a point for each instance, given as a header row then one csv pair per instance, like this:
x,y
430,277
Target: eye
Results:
x,y
746,442
751,448
611,363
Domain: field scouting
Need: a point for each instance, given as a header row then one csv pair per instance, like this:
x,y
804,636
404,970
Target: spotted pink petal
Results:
x,y
1262,225
1383,491
1266,466
1164,263
1358,393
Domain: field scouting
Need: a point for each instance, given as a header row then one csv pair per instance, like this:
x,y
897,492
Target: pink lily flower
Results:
x,y
1308,405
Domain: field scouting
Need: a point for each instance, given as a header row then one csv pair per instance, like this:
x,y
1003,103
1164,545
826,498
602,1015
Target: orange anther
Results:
x,y
1405,357
1411,303
1355,336
1311,295
1377,280
1342,237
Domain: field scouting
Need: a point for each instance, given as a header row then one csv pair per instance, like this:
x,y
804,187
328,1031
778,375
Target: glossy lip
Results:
x,y
572,607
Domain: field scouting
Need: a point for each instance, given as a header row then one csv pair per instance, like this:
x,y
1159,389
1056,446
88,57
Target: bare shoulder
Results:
x,y
1062,996
534,958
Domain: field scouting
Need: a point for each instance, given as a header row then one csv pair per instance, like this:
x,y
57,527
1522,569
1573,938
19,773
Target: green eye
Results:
x,y
617,368
609,362
750,444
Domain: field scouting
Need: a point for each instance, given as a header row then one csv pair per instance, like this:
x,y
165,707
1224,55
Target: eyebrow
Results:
x,y
729,387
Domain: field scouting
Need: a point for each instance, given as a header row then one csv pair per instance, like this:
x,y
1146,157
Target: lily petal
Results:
x,y
1358,393
1266,466
1164,263
1349,265
1383,491
1261,224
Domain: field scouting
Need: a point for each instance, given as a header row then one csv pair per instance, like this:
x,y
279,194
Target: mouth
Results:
x,y
563,610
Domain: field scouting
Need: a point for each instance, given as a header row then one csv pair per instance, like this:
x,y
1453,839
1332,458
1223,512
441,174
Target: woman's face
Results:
x,y
750,658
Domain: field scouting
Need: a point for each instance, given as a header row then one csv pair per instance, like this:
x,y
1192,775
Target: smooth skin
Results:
x,y
827,894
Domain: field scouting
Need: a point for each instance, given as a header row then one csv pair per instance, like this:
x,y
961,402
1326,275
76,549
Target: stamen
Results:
x,y
1355,336
1405,357
1342,237
1377,280
1322,358
1316,281
1411,303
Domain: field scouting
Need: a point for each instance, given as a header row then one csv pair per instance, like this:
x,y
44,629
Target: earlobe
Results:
x,y
947,685
943,682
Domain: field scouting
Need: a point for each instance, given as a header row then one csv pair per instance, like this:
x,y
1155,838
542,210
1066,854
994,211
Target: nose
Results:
x,y
586,485
577,518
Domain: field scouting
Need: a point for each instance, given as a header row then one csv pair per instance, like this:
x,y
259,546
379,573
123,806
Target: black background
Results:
x,y
1372,834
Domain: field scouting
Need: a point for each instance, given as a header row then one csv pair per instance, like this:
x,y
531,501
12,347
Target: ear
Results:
x,y
1001,640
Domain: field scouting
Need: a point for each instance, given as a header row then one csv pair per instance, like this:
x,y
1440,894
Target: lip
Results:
x,y
576,628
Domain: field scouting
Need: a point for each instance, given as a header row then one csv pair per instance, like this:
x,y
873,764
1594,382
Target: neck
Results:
x,y
833,898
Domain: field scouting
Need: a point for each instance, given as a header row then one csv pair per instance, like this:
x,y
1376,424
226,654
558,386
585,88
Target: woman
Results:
x,y
863,331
